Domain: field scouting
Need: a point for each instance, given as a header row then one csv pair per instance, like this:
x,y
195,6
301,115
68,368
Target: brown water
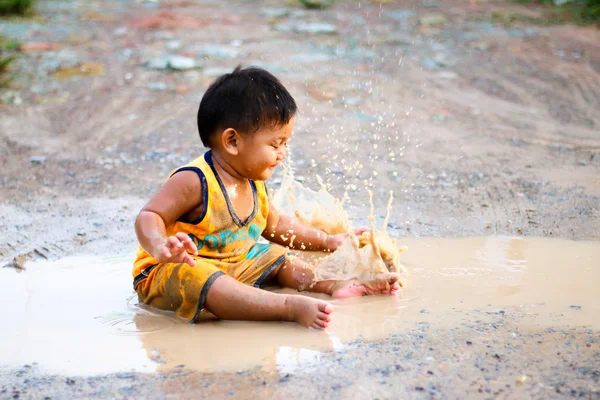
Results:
x,y
79,316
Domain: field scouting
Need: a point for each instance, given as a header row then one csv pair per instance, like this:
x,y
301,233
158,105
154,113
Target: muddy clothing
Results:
x,y
226,245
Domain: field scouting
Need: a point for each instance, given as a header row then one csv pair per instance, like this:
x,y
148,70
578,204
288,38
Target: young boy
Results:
x,y
199,233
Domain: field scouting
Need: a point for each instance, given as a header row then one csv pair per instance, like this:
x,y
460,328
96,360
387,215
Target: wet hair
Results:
x,y
246,100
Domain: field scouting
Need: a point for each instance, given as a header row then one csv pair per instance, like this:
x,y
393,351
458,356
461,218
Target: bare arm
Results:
x,y
178,196
284,230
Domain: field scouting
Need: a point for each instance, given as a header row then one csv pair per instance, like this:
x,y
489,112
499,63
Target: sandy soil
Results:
x,y
479,129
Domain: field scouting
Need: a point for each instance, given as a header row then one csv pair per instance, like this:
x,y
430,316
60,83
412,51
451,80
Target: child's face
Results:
x,y
264,150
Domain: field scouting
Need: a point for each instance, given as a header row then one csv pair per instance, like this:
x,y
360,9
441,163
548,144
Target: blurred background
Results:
x,y
482,117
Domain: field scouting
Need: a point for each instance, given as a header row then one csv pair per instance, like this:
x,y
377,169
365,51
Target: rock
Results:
x,y
37,160
561,2
18,262
122,31
182,63
275,12
174,44
173,62
522,379
433,20
319,4
315,27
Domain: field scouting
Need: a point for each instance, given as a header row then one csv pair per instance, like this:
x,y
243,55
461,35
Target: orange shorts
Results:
x,y
183,288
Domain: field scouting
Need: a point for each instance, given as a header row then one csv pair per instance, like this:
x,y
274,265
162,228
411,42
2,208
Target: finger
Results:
x,y
173,242
360,231
189,260
187,243
183,238
164,252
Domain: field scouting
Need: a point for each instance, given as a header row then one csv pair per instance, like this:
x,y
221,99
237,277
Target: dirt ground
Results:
x,y
479,129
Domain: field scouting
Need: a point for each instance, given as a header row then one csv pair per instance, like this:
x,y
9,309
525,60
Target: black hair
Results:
x,y
246,100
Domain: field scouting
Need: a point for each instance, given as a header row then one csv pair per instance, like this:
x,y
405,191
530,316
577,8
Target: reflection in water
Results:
x,y
80,316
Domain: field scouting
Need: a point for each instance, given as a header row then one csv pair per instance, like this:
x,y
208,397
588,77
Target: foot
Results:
x,y
309,312
382,284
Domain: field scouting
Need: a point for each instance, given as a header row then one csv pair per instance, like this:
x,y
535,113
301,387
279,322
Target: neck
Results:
x,y
226,169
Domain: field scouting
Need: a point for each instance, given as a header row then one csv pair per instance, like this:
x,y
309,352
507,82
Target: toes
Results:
x,y
320,323
326,308
324,317
316,326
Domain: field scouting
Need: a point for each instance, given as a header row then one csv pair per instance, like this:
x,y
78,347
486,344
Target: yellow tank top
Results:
x,y
218,233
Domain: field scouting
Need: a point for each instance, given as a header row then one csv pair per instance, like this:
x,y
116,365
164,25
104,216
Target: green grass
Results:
x,y
579,12
16,7
6,76
8,54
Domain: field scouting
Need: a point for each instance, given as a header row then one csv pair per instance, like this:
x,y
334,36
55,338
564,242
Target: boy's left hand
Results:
x,y
332,242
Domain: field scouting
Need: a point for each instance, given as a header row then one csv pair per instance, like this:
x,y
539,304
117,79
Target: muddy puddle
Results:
x,y
79,315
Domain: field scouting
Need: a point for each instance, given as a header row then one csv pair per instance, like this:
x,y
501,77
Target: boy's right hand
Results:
x,y
174,250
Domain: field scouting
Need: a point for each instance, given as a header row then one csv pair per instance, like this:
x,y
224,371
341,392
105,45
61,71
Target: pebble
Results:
x,y
182,63
315,27
316,3
275,12
173,62
37,160
174,44
122,31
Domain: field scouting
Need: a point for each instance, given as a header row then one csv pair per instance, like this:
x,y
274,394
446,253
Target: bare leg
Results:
x,y
230,299
295,273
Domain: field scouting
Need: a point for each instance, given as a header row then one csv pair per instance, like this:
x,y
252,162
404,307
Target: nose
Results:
x,y
281,153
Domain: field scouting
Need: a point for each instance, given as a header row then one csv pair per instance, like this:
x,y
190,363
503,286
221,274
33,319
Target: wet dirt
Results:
x,y
79,315
480,129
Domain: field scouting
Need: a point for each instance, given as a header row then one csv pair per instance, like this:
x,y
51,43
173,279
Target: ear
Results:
x,y
230,140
